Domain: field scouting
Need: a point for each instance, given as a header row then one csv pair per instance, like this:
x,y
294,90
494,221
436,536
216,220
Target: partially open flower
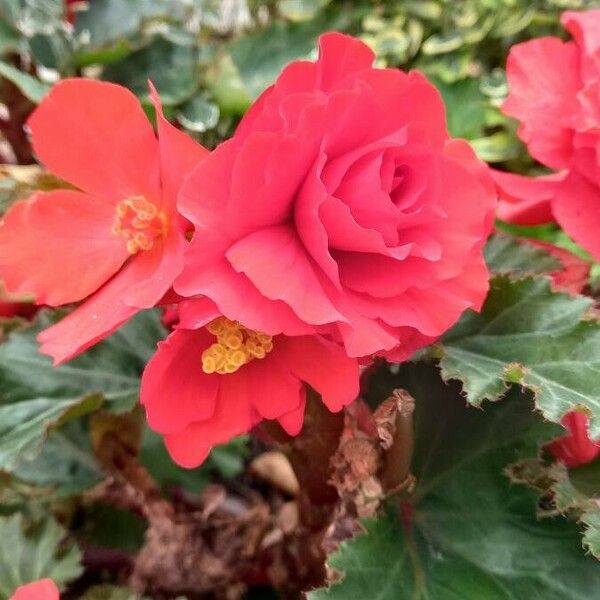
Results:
x,y
216,379
119,242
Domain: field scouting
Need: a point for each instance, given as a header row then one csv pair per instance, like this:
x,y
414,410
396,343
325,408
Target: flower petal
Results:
x,y
324,366
576,448
292,422
543,79
526,200
179,153
583,26
577,210
154,271
268,257
275,390
234,415
175,391
340,55
96,136
59,246
44,589
197,312
98,317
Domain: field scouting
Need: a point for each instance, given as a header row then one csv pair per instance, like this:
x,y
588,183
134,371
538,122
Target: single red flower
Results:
x,y
576,448
44,589
213,379
341,207
119,242
554,91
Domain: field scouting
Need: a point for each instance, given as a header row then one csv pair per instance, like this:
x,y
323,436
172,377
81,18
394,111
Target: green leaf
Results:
x,y
301,10
506,254
110,20
465,107
31,87
23,425
66,461
465,532
570,492
10,39
27,556
523,323
497,147
172,68
260,57
36,397
198,114
591,534
442,43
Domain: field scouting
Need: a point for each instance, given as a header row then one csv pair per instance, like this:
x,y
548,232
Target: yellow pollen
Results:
x,y
235,346
139,222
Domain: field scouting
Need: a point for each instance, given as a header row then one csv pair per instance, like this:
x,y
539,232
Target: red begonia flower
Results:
x,y
576,448
218,379
341,206
119,241
44,589
554,91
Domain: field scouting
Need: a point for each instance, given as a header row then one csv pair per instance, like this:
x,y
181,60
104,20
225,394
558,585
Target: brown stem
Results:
x,y
309,454
398,456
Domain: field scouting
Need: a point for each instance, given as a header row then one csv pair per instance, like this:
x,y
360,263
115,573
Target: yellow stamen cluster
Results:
x,y
139,222
235,346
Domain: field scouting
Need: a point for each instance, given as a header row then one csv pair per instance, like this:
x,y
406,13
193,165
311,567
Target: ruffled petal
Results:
x,y
96,136
340,55
543,79
576,207
526,200
276,390
234,415
214,277
197,312
59,246
583,26
324,366
175,391
268,257
292,422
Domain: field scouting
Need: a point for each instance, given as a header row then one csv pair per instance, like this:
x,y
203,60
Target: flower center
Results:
x,y
235,346
139,222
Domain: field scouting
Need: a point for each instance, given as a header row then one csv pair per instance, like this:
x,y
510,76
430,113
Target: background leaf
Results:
x,y
506,254
36,397
39,553
530,335
465,532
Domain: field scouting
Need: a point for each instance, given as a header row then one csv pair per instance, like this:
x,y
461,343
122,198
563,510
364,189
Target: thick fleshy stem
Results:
x,y
310,454
398,456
